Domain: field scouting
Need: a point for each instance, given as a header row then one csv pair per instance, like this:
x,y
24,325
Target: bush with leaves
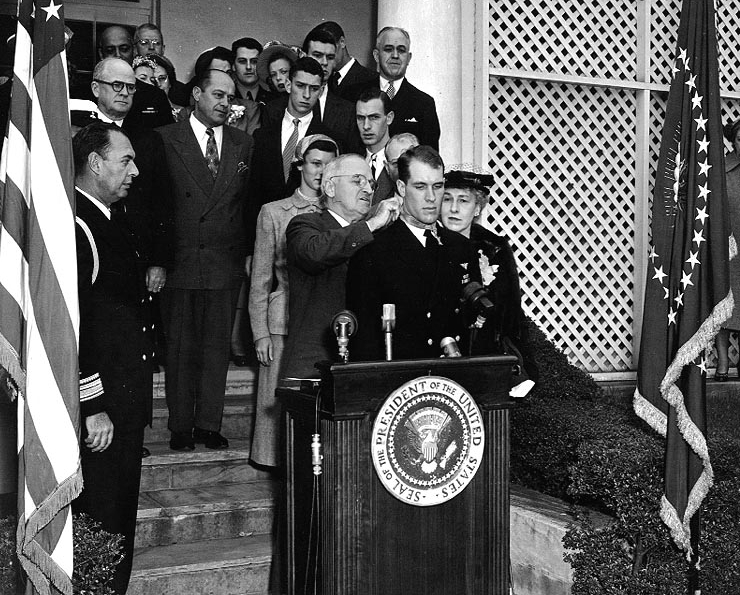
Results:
x,y
572,441
96,555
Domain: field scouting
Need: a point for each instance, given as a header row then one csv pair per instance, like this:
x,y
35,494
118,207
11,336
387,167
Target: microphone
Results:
x,y
449,347
389,323
476,296
344,325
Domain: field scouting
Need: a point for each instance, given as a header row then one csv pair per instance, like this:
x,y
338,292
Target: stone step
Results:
x,y
168,469
219,511
239,382
237,566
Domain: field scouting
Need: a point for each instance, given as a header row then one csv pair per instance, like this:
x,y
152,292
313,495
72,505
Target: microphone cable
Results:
x,y
314,530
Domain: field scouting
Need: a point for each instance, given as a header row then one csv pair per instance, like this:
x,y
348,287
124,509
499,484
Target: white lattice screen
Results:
x,y
567,81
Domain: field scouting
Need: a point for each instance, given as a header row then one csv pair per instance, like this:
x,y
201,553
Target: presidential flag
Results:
x,y
39,317
688,292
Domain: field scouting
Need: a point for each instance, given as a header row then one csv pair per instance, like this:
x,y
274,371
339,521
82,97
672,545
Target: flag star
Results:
x,y
659,274
704,167
693,260
698,238
701,214
704,191
691,83
675,68
652,255
672,317
702,365
686,280
703,146
678,299
700,123
696,101
667,293
52,10
682,55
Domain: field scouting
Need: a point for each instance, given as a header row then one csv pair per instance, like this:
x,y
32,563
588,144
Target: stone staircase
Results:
x,y
205,517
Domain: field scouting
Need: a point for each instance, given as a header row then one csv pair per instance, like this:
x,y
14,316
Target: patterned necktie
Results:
x,y
432,242
290,149
212,152
390,91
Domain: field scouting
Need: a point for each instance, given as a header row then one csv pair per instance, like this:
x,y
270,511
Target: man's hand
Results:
x,y
99,431
155,278
263,347
384,213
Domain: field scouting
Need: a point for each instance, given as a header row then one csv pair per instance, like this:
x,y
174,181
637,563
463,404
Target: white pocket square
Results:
x,y
414,120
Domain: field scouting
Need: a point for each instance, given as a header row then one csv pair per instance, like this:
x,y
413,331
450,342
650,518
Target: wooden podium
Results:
x,y
348,535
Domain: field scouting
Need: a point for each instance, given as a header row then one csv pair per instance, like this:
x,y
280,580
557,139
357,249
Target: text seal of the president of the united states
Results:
x,y
427,441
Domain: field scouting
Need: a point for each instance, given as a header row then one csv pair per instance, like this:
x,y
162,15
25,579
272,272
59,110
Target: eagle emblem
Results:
x,y
430,439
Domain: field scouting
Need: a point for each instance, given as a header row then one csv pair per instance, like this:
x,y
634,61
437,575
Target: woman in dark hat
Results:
x,y
465,198
732,173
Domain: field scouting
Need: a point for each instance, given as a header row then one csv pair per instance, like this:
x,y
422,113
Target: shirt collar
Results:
x,y
345,69
199,128
103,118
105,209
288,118
384,82
341,220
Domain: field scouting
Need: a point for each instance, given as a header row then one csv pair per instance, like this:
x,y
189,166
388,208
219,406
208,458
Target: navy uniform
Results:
x,y
115,371
425,284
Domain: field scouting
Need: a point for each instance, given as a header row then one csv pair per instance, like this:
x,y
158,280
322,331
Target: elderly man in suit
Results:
x,y
268,294
416,264
319,246
208,166
415,111
115,345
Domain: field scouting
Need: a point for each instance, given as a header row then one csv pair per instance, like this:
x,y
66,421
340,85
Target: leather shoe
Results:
x,y
182,441
145,452
240,361
210,439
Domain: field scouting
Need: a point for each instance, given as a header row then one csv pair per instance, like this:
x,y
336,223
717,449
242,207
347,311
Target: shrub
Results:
x,y
96,555
571,441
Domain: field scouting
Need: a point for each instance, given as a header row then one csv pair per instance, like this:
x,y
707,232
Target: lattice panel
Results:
x,y
665,15
595,38
563,158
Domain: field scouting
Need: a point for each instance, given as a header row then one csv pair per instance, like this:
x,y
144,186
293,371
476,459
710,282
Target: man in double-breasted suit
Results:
x,y
208,166
115,338
415,264
318,248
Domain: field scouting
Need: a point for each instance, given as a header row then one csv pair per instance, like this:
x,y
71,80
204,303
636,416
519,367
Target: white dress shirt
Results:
x,y
199,129
287,127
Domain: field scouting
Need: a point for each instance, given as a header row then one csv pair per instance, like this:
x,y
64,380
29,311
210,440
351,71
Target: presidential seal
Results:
x,y
427,441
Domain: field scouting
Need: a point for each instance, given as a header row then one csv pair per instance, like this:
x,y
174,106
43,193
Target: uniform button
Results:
x,y
457,310
150,298
457,337
143,357
429,314
142,300
152,327
143,328
430,342
152,354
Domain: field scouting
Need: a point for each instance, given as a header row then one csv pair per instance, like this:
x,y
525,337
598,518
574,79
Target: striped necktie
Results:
x,y
290,149
212,152
390,91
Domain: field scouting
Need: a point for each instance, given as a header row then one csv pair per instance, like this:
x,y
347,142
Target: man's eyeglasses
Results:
x,y
358,180
119,85
152,43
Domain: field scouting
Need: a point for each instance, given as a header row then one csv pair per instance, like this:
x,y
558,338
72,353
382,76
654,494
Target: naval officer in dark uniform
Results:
x,y
115,345
416,264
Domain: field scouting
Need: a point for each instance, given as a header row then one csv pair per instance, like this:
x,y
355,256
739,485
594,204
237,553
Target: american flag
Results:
x,y
688,293
39,318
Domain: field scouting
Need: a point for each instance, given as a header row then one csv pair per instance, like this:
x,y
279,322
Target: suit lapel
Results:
x,y
186,146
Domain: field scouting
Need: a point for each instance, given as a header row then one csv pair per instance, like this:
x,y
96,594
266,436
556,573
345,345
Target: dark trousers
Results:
x,y
197,324
111,492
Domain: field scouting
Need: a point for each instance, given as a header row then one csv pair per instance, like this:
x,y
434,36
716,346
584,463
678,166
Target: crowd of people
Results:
x,y
283,182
